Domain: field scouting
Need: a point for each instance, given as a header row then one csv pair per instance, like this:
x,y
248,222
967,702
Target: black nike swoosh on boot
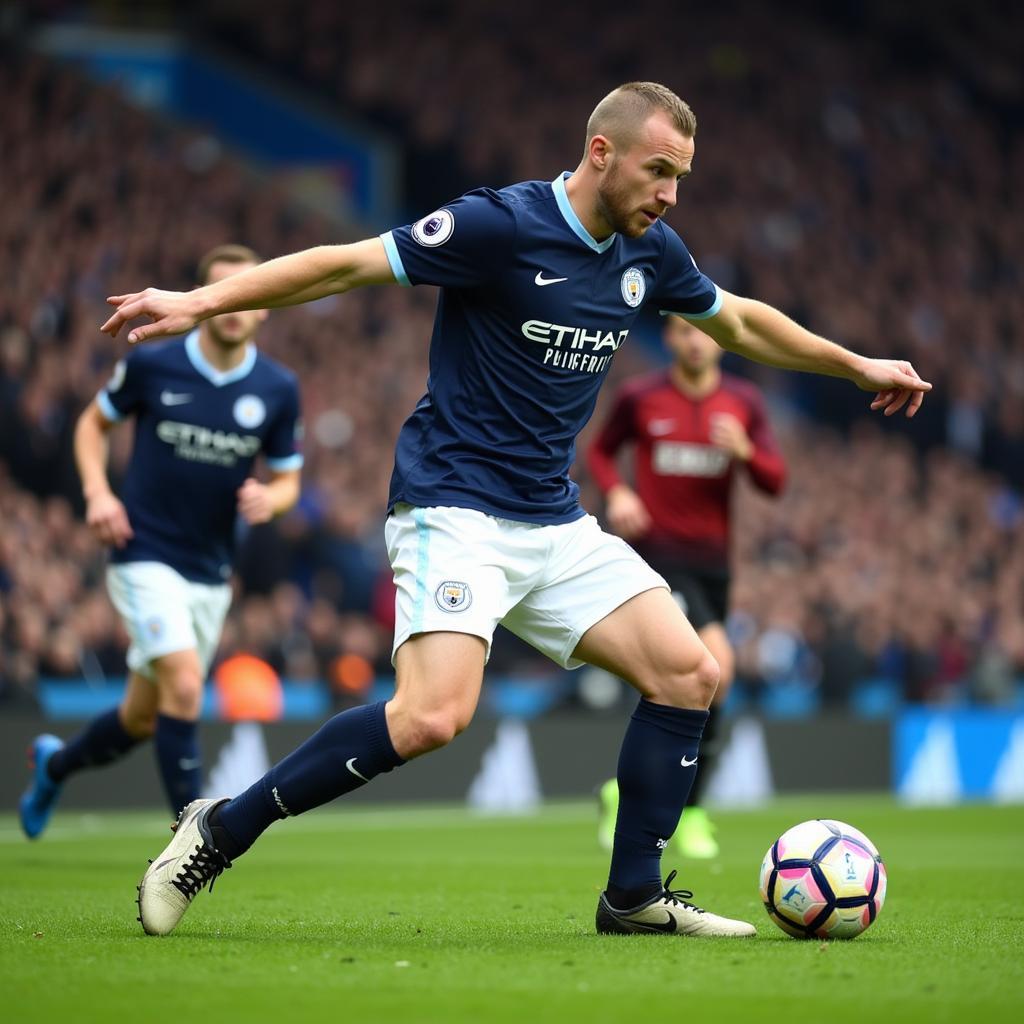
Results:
x,y
668,926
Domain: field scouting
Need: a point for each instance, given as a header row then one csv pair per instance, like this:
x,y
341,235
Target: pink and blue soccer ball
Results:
x,y
823,879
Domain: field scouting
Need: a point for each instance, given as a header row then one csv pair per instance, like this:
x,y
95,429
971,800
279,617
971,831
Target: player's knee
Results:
x,y
708,676
433,730
693,686
726,674
181,693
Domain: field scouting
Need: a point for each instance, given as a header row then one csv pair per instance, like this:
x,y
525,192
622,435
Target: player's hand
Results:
x,y
172,313
627,514
254,502
727,432
896,384
108,520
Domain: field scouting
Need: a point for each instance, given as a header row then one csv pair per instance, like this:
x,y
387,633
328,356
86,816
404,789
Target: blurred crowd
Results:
x,y
867,191
876,564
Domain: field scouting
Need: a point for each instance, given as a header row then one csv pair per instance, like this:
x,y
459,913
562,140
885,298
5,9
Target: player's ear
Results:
x,y
599,149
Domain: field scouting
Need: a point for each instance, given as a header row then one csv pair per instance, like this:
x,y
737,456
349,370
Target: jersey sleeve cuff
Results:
x,y
285,464
395,259
715,307
106,406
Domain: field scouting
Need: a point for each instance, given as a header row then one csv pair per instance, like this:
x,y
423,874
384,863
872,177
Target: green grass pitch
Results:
x,y
435,914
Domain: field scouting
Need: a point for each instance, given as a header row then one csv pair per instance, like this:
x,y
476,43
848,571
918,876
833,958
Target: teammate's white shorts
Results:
x,y
164,612
462,571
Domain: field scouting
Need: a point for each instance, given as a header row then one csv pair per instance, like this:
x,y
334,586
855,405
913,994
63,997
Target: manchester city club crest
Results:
x,y
633,287
453,596
434,229
249,411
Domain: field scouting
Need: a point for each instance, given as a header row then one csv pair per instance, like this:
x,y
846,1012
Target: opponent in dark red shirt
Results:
x,y
692,428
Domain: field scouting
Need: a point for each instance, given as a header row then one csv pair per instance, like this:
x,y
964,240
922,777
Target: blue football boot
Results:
x,y
38,801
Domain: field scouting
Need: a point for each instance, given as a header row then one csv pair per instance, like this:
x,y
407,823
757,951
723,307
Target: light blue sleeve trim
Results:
x,y
289,462
715,307
395,259
106,407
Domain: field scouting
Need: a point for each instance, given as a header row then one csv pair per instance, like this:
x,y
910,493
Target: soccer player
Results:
x,y
540,285
203,407
692,428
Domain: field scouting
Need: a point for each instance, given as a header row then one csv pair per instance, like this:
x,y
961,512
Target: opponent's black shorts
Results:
x,y
703,590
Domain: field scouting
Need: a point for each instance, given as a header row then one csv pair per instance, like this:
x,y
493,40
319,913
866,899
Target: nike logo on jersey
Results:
x,y
688,764
540,280
659,427
174,398
350,764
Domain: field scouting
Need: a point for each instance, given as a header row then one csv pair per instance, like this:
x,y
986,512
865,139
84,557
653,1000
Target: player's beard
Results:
x,y
616,205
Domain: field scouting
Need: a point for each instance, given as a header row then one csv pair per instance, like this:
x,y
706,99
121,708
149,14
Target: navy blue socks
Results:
x,y
102,741
710,747
344,754
177,755
657,765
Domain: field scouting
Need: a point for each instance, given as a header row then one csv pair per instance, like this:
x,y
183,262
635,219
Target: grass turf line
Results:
x,y
437,914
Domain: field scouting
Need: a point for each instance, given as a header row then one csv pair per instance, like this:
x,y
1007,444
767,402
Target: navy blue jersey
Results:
x,y
531,312
197,432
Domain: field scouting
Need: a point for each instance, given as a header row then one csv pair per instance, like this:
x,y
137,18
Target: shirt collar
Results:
x,y
566,210
218,377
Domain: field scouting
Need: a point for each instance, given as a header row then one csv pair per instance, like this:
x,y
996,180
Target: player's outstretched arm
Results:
x,y
285,281
760,332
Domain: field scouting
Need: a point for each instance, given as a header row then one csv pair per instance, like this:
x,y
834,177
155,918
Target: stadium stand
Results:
x,y
871,195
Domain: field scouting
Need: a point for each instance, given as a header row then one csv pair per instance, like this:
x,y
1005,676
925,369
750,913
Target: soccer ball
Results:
x,y
823,879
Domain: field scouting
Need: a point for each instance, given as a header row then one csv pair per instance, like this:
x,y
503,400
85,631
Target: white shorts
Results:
x,y
164,612
462,571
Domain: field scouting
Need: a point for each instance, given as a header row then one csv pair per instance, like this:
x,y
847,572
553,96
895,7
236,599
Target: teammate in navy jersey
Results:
x,y
204,407
692,429
541,283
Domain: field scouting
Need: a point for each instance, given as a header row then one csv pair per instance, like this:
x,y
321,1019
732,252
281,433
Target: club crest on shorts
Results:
x,y
633,287
453,596
435,229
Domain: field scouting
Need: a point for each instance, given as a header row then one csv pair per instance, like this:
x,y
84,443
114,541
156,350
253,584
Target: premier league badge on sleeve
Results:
x,y
452,596
434,229
633,287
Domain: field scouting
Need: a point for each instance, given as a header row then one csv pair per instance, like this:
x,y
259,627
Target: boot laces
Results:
x,y
679,897
205,865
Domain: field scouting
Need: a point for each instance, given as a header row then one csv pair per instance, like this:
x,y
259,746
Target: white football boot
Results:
x,y
174,878
669,913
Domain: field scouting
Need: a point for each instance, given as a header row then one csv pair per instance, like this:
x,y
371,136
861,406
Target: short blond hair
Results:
x,y
621,113
230,253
